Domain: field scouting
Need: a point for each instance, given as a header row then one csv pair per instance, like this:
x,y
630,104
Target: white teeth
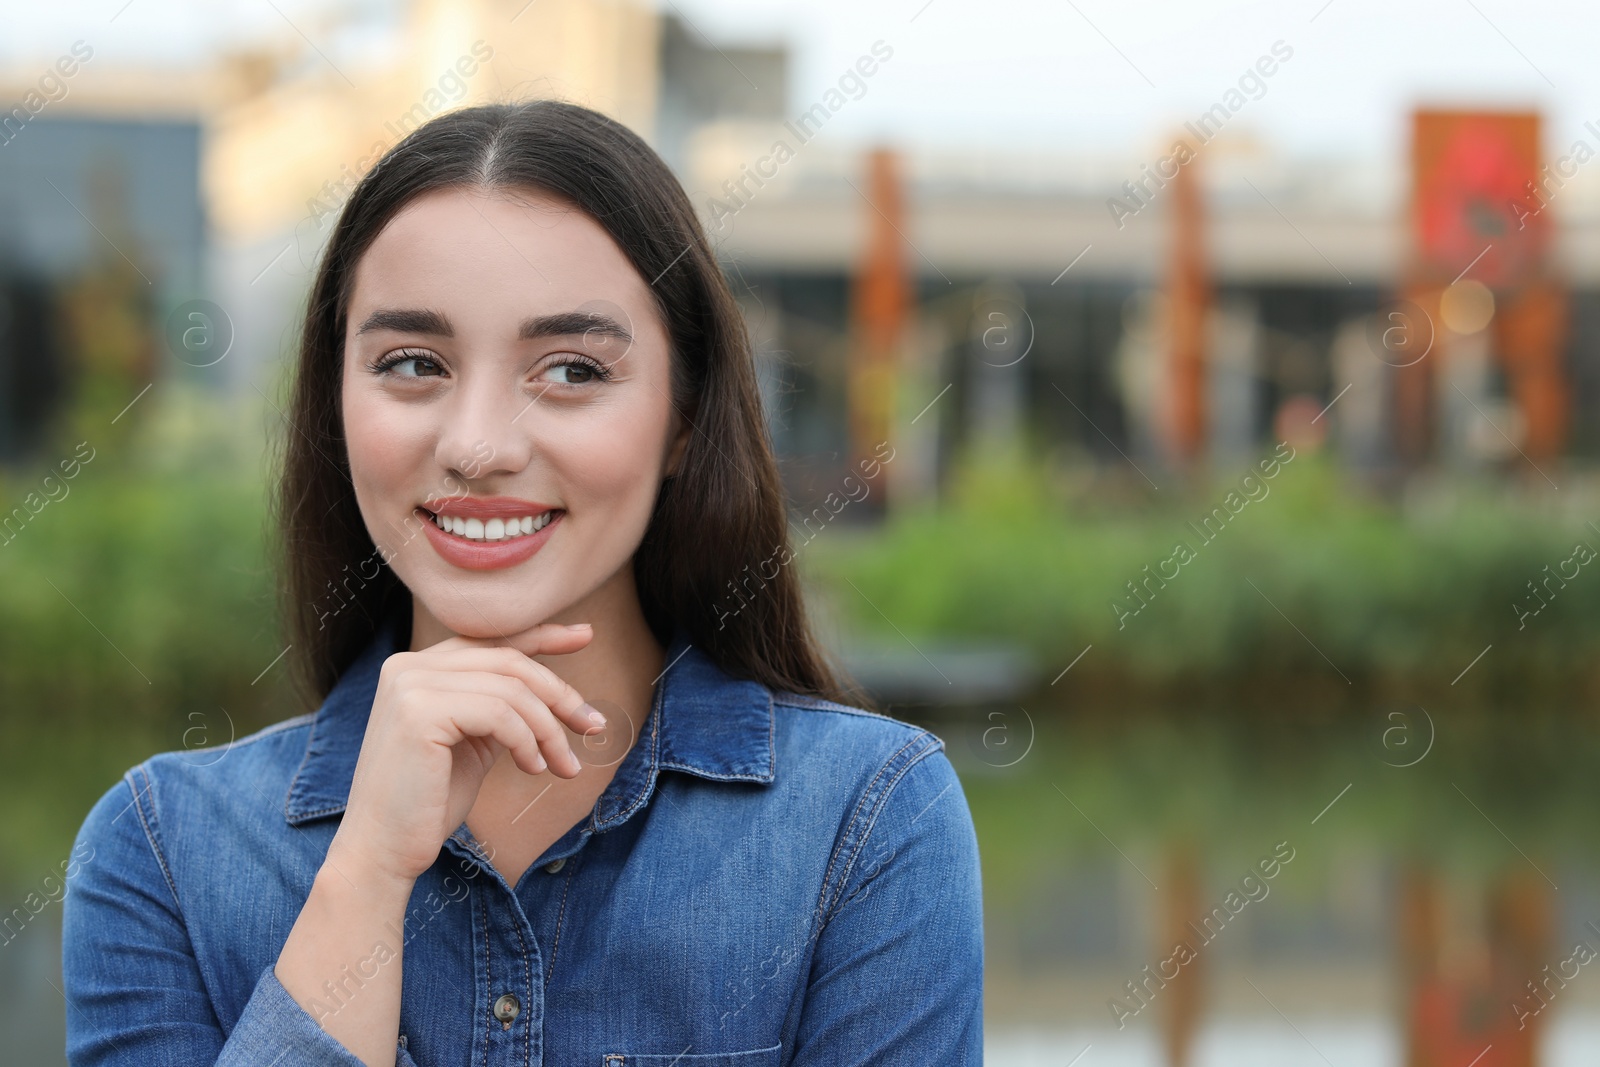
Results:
x,y
498,529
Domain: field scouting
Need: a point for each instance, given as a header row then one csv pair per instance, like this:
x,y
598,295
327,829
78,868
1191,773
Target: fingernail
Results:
x,y
538,764
578,626
594,715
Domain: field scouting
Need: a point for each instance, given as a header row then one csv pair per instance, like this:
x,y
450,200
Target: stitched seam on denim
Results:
x,y
152,829
877,811
561,915
824,909
527,976
838,709
152,832
488,978
772,736
294,780
752,776
655,761
307,816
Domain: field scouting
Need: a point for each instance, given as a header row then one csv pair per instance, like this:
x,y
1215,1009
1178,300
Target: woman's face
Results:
x,y
506,374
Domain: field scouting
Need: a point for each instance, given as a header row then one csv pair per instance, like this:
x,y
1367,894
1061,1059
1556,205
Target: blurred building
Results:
x,y
1038,314
101,223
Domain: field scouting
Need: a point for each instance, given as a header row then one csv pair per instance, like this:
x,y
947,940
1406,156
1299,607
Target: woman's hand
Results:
x,y
440,718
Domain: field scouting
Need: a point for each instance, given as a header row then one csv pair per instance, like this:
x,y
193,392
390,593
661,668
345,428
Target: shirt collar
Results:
x,y
702,722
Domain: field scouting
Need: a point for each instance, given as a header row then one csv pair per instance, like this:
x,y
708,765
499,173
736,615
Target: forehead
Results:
x,y
502,254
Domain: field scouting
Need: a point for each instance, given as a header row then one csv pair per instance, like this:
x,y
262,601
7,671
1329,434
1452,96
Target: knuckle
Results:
x,y
409,707
561,693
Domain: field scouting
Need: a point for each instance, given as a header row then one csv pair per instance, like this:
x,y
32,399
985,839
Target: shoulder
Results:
x,y
871,757
174,792
851,734
816,715
895,794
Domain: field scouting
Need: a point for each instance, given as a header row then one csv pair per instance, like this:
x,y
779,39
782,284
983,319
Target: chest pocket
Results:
x,y
757,1057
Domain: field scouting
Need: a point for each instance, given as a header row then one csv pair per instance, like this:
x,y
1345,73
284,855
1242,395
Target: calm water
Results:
x,y
1091,822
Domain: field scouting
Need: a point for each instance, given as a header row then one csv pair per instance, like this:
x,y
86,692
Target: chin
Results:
x,y
500,603
485,620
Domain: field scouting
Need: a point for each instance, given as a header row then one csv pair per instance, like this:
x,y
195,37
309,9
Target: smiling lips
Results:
x,y
488,533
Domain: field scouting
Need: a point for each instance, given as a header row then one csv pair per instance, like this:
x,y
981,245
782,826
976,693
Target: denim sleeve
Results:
x,y
897,973
134,991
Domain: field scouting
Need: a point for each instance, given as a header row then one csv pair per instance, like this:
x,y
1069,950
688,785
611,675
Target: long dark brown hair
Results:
x,y
718,521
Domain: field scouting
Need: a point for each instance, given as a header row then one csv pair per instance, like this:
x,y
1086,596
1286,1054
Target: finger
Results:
x,y
552,740
561,698
477,714
546,639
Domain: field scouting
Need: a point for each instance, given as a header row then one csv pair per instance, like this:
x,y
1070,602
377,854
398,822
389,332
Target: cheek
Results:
x,y
609,462
384,448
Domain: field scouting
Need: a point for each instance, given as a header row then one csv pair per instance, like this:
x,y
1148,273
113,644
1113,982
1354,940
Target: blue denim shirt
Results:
x,y
767,879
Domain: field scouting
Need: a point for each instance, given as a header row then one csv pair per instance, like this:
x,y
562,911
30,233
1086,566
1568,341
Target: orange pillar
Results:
x,y
881,301
1188,301
1413,411
1521,944
1181,998
1530,335
1470,1016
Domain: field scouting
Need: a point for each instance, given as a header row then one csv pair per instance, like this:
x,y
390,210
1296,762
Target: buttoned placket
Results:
x,y
508,959
508,962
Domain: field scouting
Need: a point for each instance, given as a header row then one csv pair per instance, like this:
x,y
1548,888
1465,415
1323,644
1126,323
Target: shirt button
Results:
x,y
555,865
506,1008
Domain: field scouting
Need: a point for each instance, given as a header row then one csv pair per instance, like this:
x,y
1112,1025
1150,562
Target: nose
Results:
x,y
487,430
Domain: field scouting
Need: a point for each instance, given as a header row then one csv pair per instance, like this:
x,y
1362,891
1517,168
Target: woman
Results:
x,y
580,789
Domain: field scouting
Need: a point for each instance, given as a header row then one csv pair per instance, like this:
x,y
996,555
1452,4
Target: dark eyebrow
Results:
x,y
563,324
408,320
568,323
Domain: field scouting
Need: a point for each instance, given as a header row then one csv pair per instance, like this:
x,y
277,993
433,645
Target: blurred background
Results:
x,y
1227,374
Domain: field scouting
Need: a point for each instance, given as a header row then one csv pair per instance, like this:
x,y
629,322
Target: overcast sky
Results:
x,y
1097,76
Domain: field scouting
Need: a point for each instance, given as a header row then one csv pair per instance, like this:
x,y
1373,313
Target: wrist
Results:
x,y
351,868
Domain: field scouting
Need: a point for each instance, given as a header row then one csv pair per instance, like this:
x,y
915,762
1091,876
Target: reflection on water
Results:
x,y
32,1011
1305,1042
1415,882
1346,882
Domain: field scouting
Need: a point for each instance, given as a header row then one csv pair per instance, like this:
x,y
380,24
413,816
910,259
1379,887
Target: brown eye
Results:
x,y
416,366
574,373
421,368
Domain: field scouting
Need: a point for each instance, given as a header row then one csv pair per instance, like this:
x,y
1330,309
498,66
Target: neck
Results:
x,y
616,671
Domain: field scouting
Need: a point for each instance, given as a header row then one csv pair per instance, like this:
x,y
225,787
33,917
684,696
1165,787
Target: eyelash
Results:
x,y
406,355
399,356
